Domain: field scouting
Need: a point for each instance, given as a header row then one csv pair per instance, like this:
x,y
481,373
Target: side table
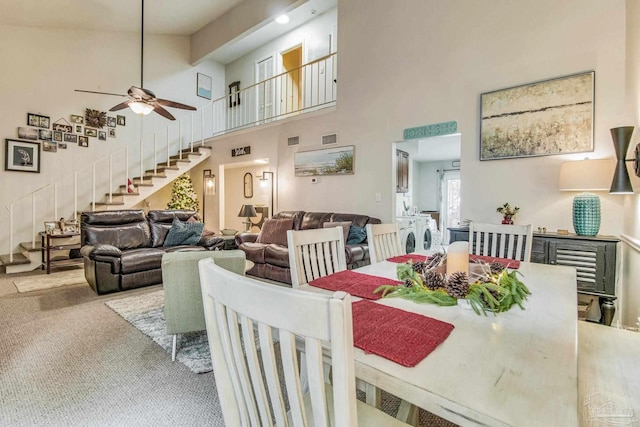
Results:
x,y
229,243
58,242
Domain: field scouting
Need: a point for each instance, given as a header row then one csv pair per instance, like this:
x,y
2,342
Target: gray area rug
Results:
x,y
146,313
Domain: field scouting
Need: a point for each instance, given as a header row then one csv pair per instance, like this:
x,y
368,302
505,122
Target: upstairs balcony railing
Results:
x,y
306,88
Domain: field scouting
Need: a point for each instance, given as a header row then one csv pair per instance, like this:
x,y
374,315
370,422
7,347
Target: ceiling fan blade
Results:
x,y
164,113
121,106
174,104
100,93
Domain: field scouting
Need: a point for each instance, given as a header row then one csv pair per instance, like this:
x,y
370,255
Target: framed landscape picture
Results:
x,y
329,161
203,87
538,119
22,156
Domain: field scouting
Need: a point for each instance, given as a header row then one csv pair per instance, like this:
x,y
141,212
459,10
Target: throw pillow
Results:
x,y
275,231
356,235
345,227
183,233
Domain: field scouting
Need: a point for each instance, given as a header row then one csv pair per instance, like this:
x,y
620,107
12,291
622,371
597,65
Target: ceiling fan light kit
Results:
x,y
142,101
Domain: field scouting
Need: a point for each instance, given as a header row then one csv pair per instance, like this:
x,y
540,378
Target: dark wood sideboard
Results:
x,y
594,258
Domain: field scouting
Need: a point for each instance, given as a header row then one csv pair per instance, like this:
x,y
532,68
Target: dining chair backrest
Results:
x,y
383,241
501,240
315,253
236,307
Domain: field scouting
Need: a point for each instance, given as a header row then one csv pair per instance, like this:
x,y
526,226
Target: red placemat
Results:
x,y
406,258
357,284
507,263
401,336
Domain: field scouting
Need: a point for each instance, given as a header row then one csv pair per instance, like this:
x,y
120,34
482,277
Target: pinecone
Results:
x,y
433,280
434,260
408,283
418,266
458,284
496,267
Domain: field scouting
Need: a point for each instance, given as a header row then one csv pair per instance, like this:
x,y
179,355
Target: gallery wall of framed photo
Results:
x,y
39,134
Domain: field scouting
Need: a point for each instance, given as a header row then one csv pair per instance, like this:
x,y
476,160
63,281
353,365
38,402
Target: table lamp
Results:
x,y
247,211
586,175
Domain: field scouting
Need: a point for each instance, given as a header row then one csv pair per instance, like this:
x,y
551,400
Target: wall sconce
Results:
x,y
586,175
208,188
268,180
247,211
621,138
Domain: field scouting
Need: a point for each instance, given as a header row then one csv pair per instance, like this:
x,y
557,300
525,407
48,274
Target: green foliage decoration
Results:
x,y
491,292
182,194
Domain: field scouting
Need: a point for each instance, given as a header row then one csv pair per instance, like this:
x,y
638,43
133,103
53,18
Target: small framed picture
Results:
x,y
203,86
121,120
102,135
111,122
77,119
44,122
28,133
70,137
90,132
57,136
112,133
45,135
38,120
62,145
50,146
79,129
50,227
83,141
22,156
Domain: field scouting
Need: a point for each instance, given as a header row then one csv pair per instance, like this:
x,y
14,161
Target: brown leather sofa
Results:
x,y
123,249
271,260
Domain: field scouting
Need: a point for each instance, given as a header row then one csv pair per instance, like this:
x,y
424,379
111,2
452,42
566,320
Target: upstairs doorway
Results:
x,y
291,81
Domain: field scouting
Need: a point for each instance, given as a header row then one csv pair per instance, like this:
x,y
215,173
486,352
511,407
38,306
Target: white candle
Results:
x,y
458,257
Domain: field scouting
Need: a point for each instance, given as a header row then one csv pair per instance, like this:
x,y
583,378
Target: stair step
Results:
x,y
174,162
109,203
17,259
122,194
29,247
162,166
139,184
186,153
149,174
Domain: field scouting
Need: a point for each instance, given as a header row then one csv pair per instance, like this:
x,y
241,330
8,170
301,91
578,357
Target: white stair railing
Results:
x,y
307,88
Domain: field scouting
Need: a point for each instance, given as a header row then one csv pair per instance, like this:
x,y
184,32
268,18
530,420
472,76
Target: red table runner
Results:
x,y
507,263
357,284
406,258
401,336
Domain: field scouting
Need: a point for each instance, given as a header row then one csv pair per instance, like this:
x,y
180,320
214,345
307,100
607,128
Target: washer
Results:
x,y
408,232
428,234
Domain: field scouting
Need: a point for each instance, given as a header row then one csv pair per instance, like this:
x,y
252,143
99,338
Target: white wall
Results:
x,y
234,195
428,186
41,67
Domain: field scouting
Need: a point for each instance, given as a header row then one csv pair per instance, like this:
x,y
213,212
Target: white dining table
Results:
x,y
517,368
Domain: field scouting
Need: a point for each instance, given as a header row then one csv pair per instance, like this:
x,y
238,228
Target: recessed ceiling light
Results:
x,y
282,19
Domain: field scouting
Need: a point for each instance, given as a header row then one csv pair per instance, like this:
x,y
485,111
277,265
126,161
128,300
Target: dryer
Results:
x,y
428,236
408,232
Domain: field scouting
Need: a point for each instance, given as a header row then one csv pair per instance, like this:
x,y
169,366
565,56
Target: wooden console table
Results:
x,y
594,258
58,242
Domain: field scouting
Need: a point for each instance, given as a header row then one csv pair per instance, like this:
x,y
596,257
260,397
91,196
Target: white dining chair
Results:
x,y
501,240
383,241
235,307
315,253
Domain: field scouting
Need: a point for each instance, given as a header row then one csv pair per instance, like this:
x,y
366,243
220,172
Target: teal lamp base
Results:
x,y
586,214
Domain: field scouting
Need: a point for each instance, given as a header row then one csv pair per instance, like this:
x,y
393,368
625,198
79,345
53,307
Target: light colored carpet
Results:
x,y
146,313
48,281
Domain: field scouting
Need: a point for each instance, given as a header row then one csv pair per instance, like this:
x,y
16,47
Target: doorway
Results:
x,y
450,207
265,92
291,81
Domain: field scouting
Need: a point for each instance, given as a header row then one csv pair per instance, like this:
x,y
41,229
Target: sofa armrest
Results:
x,y
211,242
91,251
246,238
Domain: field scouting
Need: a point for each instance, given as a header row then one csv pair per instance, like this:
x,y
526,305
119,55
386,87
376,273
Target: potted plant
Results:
x,y
507,212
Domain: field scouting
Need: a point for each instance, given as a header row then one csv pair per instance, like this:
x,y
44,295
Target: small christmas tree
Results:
x,y
182,194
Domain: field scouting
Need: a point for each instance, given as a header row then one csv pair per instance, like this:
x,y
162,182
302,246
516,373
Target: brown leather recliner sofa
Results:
x,y
271,259
123,249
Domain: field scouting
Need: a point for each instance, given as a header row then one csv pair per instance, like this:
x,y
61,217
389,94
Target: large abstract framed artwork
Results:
x,y
538,119
22,156
329,161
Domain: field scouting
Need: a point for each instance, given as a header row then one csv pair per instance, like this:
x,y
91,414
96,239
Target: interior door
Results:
x,y
291,81
265,89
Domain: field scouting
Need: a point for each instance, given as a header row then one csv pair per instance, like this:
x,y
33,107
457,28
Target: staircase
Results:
x,y
30,256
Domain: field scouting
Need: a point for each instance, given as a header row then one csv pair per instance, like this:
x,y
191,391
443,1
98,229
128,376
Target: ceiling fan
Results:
x,y
143,101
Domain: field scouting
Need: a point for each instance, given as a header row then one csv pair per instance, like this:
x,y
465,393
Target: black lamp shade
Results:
x,y
621,138
247,211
